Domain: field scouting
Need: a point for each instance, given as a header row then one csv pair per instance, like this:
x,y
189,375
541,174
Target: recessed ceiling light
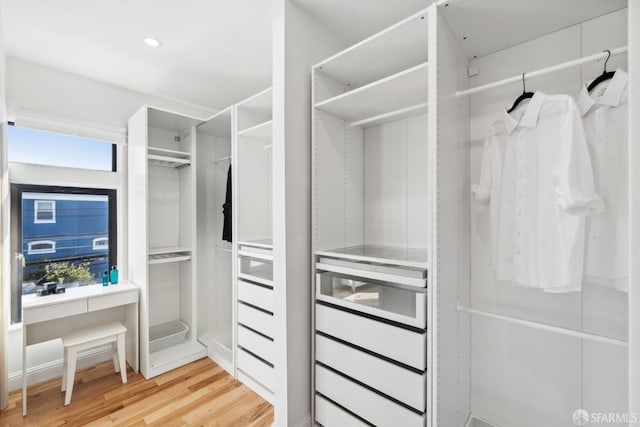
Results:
x,y
151,42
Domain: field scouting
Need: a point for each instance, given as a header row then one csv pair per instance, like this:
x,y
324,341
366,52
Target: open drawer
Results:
x,y
403,304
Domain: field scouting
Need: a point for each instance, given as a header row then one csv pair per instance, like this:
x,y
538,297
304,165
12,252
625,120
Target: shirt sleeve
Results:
x,y
573,181
482,190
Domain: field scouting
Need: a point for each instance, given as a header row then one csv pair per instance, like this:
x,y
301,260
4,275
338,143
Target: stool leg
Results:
x,y
121,356
116,364
64,371
71,373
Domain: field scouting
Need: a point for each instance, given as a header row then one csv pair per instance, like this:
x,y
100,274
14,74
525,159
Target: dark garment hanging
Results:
x,y
227,233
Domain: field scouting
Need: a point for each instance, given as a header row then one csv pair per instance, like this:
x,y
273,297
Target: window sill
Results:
x,y
15,327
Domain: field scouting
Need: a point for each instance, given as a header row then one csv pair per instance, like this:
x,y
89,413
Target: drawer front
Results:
x,y
399,344
256,369
255,319
371,406
255,343
331,415
255,295
54,311
113,300
377,298
400,383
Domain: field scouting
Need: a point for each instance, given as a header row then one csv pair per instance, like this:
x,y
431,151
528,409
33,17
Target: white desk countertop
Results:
x,y
78,293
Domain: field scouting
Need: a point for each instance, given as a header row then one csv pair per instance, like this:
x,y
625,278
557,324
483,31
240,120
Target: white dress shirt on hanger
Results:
x,y
605,117
536,173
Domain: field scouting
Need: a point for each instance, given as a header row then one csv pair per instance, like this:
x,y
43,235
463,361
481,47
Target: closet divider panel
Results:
x,y
448,144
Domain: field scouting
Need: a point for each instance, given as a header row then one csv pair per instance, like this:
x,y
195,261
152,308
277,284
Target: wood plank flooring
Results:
x,y
198,394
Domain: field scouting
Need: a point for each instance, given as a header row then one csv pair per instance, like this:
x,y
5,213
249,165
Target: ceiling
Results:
x,y
213,53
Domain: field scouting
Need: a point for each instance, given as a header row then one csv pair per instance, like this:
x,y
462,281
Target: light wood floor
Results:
x,y
198,394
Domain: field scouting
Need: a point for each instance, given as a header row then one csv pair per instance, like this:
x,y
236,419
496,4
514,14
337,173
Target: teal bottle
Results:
x,y
113,275
105,278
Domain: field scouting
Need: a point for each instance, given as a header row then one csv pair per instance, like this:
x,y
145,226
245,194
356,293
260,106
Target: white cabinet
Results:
x,y
254,248
162,242
371,229
215,284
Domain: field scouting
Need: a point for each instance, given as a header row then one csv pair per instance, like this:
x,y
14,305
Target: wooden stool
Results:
x,y
87,338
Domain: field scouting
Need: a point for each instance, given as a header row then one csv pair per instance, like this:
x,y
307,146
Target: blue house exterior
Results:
x,y
65,227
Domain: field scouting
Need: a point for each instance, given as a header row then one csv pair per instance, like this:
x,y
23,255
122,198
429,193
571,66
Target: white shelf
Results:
x,y
165,161
262,243
224,159
395,48
260,103
175,356
398,91
169,153
415,258
165,255
262,131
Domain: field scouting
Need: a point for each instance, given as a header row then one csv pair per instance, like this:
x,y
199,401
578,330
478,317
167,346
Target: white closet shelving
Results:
x,y
254,192
162,214
505,355
371,230
216,295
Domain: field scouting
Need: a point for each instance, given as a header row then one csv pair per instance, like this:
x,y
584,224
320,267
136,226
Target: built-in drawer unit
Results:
x,y
256,343
256,295
393,301
397,382
329,414
368,404
399,274
256,368
403,344
256,319
53,311
115,300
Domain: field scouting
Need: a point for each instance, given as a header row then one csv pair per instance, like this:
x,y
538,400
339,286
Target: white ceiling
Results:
x,y
214,52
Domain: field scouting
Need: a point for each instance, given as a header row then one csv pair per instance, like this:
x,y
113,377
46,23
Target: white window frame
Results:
x,y
97,240
36,209
51,250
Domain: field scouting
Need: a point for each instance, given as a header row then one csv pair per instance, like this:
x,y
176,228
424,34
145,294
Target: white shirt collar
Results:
x,y
530,117
610,97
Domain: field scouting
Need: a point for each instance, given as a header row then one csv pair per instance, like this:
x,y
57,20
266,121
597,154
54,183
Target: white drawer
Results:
x,y
54,311
331,415
256,369
255,319
256,295
400,383
403,304
113,300
369,405
396,343
257,270
255,343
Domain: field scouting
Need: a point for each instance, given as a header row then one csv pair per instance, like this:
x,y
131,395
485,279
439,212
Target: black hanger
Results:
x,y
606,75
525,95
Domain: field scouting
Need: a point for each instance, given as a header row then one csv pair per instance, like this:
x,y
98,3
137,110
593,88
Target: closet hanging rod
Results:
x,y
544,327
542,71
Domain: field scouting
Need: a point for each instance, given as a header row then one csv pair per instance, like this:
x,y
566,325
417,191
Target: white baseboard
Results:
x,y
53,369
306,422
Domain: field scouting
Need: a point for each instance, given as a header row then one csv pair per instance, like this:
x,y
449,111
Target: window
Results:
x,y
56,149
74,246
100,243
44,211
41,247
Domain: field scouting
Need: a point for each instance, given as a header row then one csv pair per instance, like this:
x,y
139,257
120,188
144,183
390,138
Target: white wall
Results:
x,y
41,91
522,376
4,235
